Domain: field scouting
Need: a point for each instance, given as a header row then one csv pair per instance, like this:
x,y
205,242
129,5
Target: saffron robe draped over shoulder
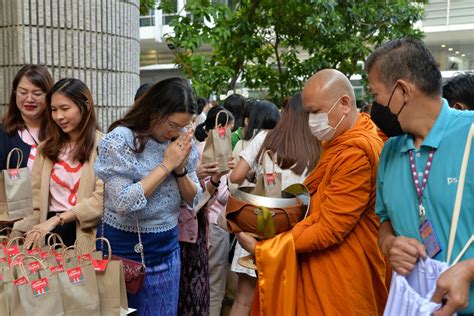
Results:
x,y
330,263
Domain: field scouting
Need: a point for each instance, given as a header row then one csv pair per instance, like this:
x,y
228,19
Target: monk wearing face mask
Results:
x,y
329,263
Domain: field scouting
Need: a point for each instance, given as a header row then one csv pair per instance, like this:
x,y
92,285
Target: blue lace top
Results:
x,y
121,169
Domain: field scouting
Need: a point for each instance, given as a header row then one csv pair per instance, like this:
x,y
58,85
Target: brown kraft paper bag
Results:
x,y
37,293
111,283
269,181
79,289
15,190
218,146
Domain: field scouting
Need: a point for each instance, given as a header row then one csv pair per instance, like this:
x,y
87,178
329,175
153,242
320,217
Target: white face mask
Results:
x,y
319,124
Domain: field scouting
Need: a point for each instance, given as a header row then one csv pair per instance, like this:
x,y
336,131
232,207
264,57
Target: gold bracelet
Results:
x,y
162,165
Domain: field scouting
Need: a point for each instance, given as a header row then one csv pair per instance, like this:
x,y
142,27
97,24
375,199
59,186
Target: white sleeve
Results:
x,y
249,154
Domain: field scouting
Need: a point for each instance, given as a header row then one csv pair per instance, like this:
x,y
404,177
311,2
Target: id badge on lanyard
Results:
x,y
426,229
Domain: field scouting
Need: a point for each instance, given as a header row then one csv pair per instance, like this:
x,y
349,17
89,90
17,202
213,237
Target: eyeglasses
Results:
x,y
175,127
23,95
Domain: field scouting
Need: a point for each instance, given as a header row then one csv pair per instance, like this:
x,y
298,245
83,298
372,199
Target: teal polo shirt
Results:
x,y
397,200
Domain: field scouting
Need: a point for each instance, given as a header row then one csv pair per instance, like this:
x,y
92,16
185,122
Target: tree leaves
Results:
x,y
277,45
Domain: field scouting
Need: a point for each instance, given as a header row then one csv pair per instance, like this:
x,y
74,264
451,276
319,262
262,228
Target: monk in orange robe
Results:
x,y
329,263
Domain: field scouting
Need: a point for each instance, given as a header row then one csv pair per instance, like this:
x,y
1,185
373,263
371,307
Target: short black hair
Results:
x,y
407,58
235,104
460,89
263,115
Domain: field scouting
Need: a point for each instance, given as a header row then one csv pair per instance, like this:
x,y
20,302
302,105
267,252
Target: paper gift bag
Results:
x,y
111,283
6,291
218,146
268,181
38,293
15,190
79,290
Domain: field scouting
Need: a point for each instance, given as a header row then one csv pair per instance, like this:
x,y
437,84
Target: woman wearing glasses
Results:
x,y
21,124
148,164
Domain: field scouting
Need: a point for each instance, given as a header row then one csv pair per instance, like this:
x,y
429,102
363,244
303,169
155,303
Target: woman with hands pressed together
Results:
x,y
148,164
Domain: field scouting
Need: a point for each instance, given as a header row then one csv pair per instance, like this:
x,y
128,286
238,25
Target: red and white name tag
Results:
x,y
40,287
75,275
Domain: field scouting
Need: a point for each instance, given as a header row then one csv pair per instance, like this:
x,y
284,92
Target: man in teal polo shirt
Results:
x,y
420,168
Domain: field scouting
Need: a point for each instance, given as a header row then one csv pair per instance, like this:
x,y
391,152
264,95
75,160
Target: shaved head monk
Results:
x,y
329,263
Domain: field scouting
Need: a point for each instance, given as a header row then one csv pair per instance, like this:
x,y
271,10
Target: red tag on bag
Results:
x,y
17,260
56,269
20,281
221,131
1,277
100,265
59,257
14,173
34,251
13,250
2,260
44,255
40,287
270,178
34,266
86,256
75,275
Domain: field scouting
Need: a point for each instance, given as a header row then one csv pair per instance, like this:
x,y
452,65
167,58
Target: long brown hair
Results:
x,y
79,93
40,77
292,141
173,95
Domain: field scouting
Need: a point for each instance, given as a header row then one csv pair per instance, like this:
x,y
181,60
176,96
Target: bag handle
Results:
x,y
459,194
109,246
226,116
18,161
55,240
261,160
83,236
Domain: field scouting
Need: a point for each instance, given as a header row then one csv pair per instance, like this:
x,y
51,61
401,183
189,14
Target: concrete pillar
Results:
x,y
96,41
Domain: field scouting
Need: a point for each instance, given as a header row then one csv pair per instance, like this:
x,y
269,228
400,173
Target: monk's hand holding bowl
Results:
x,y
247,242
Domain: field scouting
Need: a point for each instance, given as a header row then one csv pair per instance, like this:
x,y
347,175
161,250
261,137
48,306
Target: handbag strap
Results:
x,y
138,247
459,194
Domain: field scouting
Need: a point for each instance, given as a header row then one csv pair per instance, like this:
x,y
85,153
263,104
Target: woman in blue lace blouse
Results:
x,y
148,164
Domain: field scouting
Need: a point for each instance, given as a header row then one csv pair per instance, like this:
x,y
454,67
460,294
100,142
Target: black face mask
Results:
x,y
385,119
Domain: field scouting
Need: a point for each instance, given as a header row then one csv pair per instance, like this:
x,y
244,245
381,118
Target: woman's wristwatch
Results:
x,y
180,175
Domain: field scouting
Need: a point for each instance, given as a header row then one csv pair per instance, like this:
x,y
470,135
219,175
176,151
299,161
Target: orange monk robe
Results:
x,y
340,269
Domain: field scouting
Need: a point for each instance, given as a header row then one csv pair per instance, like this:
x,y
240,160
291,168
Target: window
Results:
x,y
148,20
